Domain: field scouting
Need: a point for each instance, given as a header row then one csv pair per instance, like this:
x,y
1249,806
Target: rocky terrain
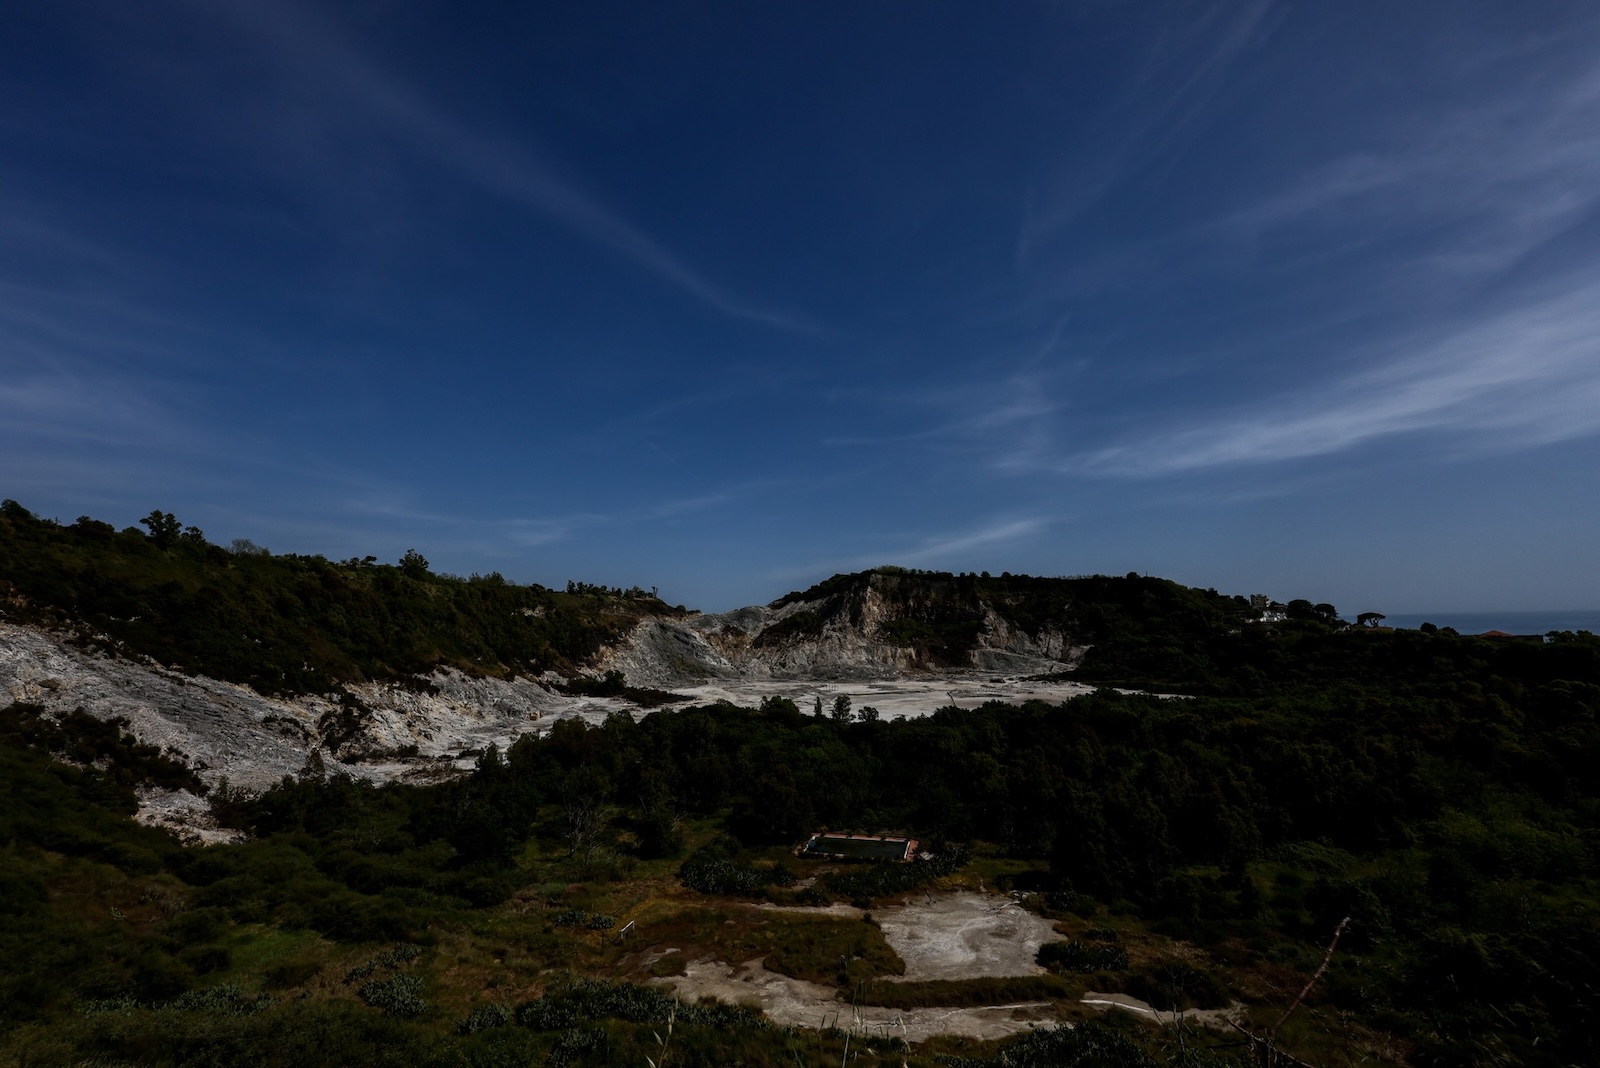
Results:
x,y
436,725
840,636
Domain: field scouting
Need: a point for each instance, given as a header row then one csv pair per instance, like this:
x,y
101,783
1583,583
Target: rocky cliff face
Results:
x,y
872,630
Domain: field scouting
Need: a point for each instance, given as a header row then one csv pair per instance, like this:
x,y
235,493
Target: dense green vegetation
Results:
x,y
295,624
1436,789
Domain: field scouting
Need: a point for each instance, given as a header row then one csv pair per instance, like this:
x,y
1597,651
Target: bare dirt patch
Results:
x,y
965,935
941,936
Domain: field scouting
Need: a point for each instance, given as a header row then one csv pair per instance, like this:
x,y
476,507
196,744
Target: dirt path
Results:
x,y
797,1003
1214,1018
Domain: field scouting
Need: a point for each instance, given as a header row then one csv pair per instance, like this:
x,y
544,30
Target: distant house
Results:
x,y
829,846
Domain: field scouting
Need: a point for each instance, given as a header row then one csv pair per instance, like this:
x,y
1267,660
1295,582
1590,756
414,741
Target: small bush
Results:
x,y
546,1014
882,879
483,1018
402,954
223,1000
1082,957
398,995
713,870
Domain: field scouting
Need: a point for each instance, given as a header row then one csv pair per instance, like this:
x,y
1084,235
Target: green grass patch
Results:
x,y
671,964
820,949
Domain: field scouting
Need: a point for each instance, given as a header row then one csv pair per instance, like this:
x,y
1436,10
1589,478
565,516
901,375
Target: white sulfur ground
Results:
x,y
958,935
910,697
965,935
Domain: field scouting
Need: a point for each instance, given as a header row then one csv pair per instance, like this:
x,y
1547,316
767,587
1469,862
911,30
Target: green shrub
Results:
x,y
223,1000
713,870
398,995
1082,957
882,879
483,1018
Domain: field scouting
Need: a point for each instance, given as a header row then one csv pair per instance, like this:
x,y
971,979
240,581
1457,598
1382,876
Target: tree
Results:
x,y
868,714
841,708
658,824
93,528
583,795
315,769
816,708
782,710
1370,619
414,564
164,528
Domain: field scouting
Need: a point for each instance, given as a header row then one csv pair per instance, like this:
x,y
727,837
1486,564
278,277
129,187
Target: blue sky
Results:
x,y
724,298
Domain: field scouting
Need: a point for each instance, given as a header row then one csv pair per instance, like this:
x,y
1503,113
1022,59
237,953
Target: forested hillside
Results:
x,y
287,623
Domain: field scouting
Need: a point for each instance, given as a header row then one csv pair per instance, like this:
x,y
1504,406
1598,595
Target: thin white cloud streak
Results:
x,y
390,503
70,373
1000,533
1018,409
1506,175
1508,346
60,408
945,548
1199,57
493,163
1526,377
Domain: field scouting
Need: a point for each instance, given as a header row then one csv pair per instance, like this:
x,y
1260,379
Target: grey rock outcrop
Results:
x,y
846,638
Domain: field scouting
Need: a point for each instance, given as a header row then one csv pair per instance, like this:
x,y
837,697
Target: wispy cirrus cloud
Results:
x,y
1487,183
355,92
1522,377
947,548
1160,107
1452,254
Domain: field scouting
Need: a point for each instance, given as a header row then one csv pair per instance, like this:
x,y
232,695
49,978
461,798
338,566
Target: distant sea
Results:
x,y
1510,622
